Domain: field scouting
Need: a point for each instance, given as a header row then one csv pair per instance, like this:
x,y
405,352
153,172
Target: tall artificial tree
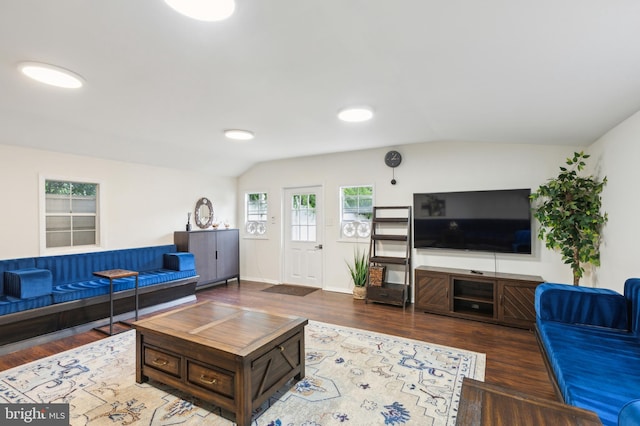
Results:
x,y
569,211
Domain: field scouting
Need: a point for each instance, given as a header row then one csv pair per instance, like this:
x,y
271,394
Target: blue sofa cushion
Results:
x,y
100,286
67,269
25,283
10,304
80,290
179,261
581,305
13,264
632,294
630,414
596,368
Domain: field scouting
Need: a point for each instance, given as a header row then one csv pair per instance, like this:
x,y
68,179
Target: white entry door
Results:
x,y
303,236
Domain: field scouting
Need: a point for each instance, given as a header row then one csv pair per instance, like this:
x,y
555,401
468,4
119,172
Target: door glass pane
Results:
x,y
303,217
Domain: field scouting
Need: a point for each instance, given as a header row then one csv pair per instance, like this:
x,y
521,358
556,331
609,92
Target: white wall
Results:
x,y
616,156
143,205
427,167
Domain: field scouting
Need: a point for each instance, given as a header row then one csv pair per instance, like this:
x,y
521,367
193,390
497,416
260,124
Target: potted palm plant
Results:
x,y
358,270
568,209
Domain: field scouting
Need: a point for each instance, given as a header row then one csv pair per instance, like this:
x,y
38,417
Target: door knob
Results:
x,y
319,246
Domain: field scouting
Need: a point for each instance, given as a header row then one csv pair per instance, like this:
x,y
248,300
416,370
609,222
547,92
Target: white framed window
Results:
x,y
256,207
356,211
70,215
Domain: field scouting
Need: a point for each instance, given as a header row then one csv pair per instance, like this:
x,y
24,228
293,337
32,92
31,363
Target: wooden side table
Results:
x,y
483,404
113,274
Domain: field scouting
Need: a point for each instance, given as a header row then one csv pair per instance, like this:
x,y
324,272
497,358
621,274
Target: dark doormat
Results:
x,y
291,290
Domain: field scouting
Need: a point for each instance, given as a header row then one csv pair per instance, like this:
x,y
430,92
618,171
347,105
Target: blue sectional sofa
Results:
x,y
41,295
590,339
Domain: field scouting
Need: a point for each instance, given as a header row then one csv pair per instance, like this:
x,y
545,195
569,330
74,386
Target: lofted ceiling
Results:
x,y
161,88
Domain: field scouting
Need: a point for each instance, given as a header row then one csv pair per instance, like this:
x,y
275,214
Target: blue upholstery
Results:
x,y
591,342
30,282
70,277
179,261
14,264
581,305
9,304
629,414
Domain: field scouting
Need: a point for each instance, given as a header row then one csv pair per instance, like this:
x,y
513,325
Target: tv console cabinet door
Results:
x,y
517,300
432,291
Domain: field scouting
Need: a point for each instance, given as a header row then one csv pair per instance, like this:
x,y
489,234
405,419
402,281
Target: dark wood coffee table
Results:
x,y
483,404
233,357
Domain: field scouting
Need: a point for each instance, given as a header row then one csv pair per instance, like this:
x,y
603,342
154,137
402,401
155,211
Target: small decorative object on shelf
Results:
x,y
376,275
226,224
215,225
188,227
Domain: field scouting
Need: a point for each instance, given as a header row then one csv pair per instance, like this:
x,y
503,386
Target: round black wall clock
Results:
x,y
393,159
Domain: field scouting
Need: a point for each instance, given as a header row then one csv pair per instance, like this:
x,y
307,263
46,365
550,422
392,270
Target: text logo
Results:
x,y
34,414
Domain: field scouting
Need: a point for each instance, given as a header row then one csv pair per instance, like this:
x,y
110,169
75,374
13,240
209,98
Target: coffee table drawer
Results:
x,y
162,361
209,378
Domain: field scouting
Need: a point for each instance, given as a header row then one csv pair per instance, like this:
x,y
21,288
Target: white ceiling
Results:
x,y
161,87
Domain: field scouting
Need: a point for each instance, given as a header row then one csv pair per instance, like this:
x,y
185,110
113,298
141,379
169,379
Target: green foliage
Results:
x,y
358,269
70,188
358,201
569,214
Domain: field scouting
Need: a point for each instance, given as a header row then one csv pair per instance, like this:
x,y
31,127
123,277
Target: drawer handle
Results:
x,y
281,348
207,380
160,361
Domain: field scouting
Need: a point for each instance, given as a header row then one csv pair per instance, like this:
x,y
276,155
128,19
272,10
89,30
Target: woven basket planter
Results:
x,y
359,293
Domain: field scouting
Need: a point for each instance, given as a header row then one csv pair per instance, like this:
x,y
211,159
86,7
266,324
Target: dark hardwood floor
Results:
x,y
513,356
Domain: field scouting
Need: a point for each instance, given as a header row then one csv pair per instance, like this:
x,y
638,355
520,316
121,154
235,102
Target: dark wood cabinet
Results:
x,y
500,298
217,253
432,291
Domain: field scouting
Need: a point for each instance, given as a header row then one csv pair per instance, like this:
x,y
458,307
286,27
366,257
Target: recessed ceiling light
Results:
x,y
356,114
204,10
51,74
239,135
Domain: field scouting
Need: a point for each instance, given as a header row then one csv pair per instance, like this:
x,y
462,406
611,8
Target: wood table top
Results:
x,y
115,273
484,404
229,328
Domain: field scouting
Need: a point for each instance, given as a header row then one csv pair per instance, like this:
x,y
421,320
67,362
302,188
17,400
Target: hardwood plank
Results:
x,y
513,357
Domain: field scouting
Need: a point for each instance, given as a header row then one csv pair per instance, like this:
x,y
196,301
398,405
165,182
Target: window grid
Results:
x,y
70,214
303,217
256,213
356,211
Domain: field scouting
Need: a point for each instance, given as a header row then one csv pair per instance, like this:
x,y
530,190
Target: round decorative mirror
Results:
x,y
204,213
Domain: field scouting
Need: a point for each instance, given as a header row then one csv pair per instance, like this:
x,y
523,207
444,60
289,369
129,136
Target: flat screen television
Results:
x,y
497,221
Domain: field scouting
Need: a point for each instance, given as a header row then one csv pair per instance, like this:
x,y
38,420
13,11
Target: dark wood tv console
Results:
x,y
499,298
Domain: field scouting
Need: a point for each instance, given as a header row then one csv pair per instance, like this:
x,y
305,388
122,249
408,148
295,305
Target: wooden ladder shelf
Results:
x,y
390,247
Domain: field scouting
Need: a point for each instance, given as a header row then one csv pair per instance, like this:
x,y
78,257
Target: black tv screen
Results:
x,y
496,221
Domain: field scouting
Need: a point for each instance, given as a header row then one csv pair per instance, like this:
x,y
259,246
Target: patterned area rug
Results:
x,y
353,377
